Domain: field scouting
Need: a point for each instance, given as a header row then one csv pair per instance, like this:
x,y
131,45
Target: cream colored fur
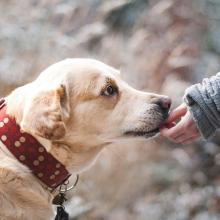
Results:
x,y
66,108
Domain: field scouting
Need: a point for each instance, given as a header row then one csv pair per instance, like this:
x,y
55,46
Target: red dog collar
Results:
x,y
30,152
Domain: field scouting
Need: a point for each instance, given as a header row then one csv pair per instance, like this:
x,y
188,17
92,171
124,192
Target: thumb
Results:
x,y
177,113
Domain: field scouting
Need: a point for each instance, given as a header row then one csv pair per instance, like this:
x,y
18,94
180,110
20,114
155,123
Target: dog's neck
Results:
x,y
15,110
27,149
71,154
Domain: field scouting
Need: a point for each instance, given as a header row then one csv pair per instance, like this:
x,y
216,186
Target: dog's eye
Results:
x,y
110,91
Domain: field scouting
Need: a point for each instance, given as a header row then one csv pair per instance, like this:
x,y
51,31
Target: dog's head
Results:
x,y
84,98
84,102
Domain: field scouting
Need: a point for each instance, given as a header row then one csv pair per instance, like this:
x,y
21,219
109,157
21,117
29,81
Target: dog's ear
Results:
x,y
46,113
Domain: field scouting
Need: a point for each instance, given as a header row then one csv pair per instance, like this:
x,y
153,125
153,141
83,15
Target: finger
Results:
x,y
190,140
191,131
179,137
186,126
177,113
165,133
168,125
185,138
171,133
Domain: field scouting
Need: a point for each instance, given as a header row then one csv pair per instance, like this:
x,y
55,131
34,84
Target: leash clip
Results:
x,y
60,198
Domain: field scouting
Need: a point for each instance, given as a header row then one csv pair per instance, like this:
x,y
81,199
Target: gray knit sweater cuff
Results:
x,y
197,107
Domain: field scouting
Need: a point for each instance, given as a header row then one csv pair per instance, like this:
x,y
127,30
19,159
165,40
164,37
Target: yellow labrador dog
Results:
x,y
70,112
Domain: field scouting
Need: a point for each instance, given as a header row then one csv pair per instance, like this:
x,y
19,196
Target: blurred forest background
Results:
x,y
159,45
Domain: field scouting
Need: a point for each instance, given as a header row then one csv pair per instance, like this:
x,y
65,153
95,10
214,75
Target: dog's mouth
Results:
x,y
145,134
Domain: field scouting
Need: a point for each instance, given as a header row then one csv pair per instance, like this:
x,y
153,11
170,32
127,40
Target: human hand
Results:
x,y
182,132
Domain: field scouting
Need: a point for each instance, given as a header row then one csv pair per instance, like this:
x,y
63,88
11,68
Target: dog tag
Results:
x,y
59,199
61,214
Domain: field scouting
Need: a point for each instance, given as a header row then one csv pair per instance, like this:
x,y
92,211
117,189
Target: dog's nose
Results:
x,y
164,103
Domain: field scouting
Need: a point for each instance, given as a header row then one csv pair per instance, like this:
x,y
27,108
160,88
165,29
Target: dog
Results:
x,y
71,112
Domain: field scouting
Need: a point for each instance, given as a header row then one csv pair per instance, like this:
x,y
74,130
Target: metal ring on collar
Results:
x,y
65,184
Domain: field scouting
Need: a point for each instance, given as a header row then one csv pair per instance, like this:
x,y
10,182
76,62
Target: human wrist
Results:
x,y
202,122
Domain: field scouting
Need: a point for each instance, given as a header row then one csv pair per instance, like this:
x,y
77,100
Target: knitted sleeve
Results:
x,y
203,100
